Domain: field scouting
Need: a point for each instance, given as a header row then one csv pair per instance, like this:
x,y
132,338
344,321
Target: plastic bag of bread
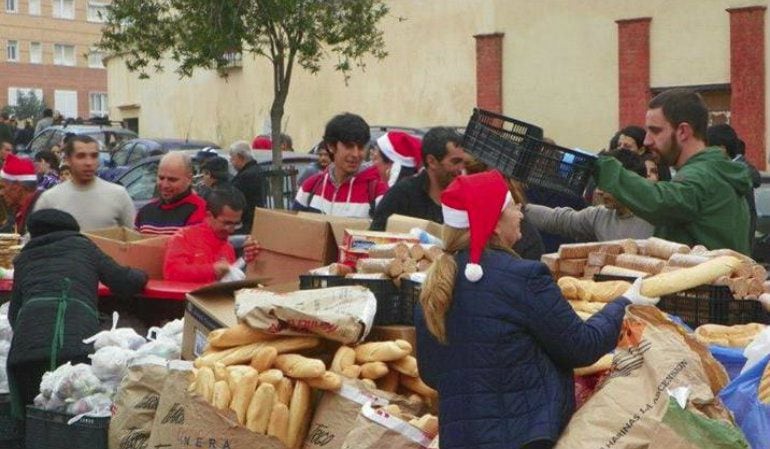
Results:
x,y
375,428
343,314
748,397
655,359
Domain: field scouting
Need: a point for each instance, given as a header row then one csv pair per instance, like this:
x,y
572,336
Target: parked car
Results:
x,y
107,135
140,179
130,152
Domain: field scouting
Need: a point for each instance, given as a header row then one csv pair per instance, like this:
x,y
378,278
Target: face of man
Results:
x,y
5,149
661,137
237,161
323,158
224,224
12,193
173,178
348,158
448,168
83,162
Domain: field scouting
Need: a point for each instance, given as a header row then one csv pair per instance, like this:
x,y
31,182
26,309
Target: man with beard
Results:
x,y
345,188
705,202
420,195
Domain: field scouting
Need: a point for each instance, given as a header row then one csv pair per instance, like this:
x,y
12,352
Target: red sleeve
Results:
x,y
178,264
380,190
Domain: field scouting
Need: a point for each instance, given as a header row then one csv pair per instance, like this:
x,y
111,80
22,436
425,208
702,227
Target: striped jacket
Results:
x,y
356,197
157,217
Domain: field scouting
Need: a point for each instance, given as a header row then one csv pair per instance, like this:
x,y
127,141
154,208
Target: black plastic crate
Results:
x,y
49,430
389,304
707,304
410,295
516,149
11,430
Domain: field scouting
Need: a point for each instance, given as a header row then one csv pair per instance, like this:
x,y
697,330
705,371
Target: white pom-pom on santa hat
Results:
x,y
475,203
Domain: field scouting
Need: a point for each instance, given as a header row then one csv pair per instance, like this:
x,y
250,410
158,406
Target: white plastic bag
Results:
x,y
111,363
98,404
757,350
164,347
75,382
123,337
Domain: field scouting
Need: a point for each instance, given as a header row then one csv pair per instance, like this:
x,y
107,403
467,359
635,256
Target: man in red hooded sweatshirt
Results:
x,y
202,253
345,188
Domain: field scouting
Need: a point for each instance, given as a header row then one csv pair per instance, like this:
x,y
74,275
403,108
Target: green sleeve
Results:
x,y
664,202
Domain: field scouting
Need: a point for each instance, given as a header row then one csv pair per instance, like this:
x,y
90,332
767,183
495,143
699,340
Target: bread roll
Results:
x,y
278,426
416,251
432,252
416,385
204,383
600,259
328,381
371,265
409,267
243,354
586,290
427,423
663,249
551,261
397,250
614,270
640,263
383,351
298,414
242,394
628,246
299,367
271,376
572,267
389,382
238,335
576,250
686,260
264,358
260,409
220,371
406,366
686,278
221,397
283,390
369,383
736,336
352,371
235,373
374,370
424,265
344,357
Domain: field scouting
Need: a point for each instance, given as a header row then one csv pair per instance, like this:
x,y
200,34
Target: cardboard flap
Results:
x,y
403,224
292,235
339,224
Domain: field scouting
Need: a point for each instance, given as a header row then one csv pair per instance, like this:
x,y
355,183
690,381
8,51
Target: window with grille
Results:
x,y
12,51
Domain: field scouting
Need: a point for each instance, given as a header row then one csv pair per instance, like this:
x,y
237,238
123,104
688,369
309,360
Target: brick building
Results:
x,y
47,47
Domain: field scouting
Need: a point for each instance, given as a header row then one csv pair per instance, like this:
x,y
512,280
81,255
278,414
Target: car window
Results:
x,y
120,156
137,154
140,181
40,141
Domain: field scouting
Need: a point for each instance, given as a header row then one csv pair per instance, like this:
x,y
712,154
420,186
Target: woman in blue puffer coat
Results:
x,y
497,340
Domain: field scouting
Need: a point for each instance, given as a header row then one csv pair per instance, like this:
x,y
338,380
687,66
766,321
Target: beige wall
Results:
x,y
560,71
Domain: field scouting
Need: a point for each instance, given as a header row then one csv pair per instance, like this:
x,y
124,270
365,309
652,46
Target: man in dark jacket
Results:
x,y
53,304
247,180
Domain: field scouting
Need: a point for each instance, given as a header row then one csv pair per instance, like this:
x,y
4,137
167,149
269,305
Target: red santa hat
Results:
x,y
403,149
475,202
18,169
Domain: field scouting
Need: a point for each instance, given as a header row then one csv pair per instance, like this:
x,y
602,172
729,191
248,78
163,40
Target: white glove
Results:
x,y
634,295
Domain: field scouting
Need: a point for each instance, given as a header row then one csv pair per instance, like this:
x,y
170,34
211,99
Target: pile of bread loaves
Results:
x,y
387,261
643,258
267,380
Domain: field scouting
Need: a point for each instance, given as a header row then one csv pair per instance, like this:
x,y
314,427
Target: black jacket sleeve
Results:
x,y
390,204
122,281
530,246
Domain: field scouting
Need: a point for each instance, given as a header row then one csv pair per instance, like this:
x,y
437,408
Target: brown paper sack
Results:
x,y
135,404
343,314
336,413
185,421
640,402
376,429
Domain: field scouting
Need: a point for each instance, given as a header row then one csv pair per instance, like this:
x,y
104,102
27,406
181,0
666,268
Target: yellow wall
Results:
x,y
560,71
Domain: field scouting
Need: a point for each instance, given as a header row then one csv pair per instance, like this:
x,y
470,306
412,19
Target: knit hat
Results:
x,y
18,169
45,221
401,148
475,202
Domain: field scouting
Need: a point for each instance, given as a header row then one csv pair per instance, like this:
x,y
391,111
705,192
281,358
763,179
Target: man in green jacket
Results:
x,y
705,202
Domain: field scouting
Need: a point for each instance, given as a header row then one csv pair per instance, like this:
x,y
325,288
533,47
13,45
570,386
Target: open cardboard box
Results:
x,y
295,243
212,307
133,249
403,224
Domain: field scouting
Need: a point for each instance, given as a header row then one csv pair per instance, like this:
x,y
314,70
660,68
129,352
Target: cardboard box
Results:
x,y
212,307
404,224
295,243
133,249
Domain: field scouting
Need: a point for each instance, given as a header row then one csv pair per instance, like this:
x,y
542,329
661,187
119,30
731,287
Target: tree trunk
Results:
x,y
276,181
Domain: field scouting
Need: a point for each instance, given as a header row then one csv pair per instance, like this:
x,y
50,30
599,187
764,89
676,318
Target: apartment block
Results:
x,y
47,47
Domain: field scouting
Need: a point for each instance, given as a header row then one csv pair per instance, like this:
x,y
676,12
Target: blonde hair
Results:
x,y
438,289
